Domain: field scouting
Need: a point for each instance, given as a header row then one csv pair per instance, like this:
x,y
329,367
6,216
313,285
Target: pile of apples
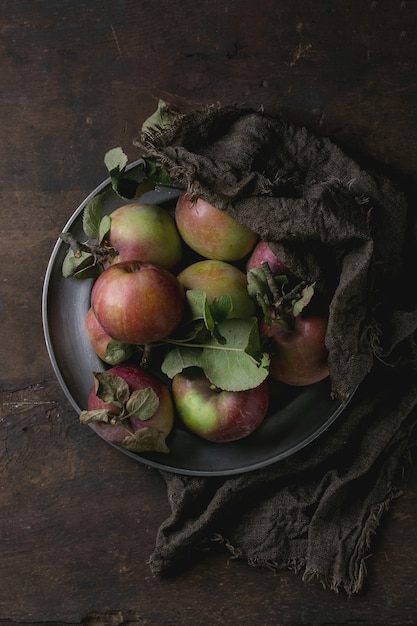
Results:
x,y
139,299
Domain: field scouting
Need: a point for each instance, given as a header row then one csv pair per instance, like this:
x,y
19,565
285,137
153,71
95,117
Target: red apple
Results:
x,y
262,252
218,278
300,355
147,233
110,351
153,428
210,232
137,303
214,414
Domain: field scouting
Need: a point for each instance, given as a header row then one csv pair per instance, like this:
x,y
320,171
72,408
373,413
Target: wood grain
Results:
x,y
78,519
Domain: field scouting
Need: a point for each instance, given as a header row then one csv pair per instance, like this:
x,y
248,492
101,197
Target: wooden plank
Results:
x,y
78,519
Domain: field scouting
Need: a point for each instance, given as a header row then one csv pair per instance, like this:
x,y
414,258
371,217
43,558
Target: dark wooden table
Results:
x,y
78,519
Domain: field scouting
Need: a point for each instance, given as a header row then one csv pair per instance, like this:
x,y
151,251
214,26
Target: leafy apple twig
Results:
x,y
86,260
140,404
278,300
112,389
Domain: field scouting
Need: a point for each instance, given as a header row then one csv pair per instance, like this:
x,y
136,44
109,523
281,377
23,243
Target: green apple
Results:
x,y
212,233
214,414
147,233
217,278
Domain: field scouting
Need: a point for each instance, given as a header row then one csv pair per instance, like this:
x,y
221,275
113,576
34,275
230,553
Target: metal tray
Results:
x,y
296,417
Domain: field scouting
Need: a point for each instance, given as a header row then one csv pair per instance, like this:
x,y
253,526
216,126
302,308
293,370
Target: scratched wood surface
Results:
x,y
78,519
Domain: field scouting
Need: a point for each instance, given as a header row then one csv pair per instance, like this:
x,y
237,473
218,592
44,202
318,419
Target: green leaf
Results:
x,y
146,440
92,215
161,119
233,366
118,352
221,307
111,389
115,159
197,302
179,358
212,313
143,403
306,295
253,342
258,289
125,187
199,307
75,261
104,228
154,171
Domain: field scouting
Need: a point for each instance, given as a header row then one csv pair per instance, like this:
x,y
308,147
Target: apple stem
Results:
x,y
270,279
101,252
147,349
282,303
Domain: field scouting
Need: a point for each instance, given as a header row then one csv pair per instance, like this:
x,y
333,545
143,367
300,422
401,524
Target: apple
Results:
x,y
218,278
110,351
210,232
145,433
147,233
262,252
214,414
299,356
137,303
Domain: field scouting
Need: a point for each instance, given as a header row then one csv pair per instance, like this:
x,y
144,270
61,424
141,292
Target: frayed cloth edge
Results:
x,y
298,564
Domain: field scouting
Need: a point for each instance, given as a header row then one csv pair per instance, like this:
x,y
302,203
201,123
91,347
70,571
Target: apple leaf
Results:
x,y
104,228
305,298
200,309
96,415
239,364
212,313
146,440
80,264
259,290
143,403
118,352
83,260
111,389
92,215
234,365
161,119
125,186
115,159
221,307
276,297
156,173
179,358
197,302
